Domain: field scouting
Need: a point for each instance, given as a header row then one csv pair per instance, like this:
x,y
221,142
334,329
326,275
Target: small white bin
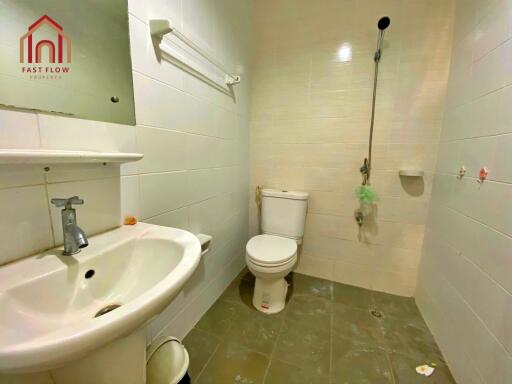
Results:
x,y
167,362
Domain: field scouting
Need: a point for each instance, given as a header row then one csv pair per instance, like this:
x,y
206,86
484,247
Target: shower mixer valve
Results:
x,y
364,168
365,171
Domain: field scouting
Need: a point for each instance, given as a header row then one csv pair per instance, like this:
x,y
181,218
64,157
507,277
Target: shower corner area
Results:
x,y
313,76
435,232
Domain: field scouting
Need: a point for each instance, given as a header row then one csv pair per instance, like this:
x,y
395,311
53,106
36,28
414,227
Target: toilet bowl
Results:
x,y
270,258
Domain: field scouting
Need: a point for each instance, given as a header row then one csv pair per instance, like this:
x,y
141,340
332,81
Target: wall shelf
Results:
x,y
53,156
411,173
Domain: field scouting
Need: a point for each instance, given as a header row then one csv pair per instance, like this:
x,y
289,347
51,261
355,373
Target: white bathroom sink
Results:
x,y
48,306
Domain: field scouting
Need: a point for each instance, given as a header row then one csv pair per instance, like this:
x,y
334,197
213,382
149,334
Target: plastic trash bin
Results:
x,y
167,362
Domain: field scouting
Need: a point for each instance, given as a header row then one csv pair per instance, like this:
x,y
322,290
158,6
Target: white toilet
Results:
x,y
271,256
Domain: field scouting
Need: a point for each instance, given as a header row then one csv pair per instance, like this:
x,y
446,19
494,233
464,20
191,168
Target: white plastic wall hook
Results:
x,y
462,172
231,80
159,28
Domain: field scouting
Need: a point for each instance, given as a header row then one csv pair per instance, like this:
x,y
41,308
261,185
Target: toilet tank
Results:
x,y
283,213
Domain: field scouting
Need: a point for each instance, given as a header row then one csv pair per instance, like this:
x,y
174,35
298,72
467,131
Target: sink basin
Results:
x,y
55,309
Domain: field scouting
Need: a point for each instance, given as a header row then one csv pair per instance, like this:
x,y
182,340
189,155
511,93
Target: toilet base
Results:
x,y
270,294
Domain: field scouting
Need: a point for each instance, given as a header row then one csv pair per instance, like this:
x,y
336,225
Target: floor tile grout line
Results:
x,y
208,361
273,350
390,365
331,336
221,338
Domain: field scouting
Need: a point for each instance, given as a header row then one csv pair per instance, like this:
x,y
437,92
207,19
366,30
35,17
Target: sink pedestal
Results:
x,y
122,361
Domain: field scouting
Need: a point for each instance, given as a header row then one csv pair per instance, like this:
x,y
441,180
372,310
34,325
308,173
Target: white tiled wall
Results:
x,y
310,125
194,174
464,285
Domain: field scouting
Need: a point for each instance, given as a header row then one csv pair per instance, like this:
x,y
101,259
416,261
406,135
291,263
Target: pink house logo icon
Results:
x,y
35,49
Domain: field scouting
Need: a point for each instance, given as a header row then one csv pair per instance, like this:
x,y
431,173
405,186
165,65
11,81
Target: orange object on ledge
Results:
x,y
130,220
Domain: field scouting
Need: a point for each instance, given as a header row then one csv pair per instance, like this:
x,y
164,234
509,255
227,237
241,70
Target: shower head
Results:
x,y
383,23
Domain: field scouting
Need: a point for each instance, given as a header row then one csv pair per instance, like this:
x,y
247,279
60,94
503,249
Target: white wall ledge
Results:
x,y
52,156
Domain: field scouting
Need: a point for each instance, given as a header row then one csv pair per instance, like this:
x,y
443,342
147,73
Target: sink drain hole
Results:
x,y
376,313
90,273
107,309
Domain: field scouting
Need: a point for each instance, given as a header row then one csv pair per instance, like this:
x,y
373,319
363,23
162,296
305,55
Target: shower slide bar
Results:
x,y
161,27
365,170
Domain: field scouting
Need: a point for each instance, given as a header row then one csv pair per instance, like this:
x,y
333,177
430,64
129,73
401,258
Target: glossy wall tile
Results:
x,y
462,290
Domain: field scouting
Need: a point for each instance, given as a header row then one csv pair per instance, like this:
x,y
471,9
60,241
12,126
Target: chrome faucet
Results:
x,y
74,236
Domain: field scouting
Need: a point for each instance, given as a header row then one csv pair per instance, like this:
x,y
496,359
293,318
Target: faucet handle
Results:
x,y
67,203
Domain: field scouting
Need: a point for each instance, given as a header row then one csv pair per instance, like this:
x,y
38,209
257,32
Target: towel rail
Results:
x,y
159,28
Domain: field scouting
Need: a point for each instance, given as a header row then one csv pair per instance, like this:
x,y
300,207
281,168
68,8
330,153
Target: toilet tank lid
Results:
x,y
283,194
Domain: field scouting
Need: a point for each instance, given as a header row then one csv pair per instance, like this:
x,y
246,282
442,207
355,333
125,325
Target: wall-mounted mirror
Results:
x,y
68,57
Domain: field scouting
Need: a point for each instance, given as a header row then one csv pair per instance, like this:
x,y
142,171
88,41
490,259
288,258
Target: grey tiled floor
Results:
x,y
326,334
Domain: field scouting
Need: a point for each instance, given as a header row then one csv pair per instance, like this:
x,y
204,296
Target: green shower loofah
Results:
x,y
366,194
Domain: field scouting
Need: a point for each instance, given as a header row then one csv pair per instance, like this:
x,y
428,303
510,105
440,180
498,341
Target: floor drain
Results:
x,y
107,309
376,313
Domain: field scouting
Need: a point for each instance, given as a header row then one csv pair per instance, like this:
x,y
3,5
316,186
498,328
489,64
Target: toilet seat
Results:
x,y
271,251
